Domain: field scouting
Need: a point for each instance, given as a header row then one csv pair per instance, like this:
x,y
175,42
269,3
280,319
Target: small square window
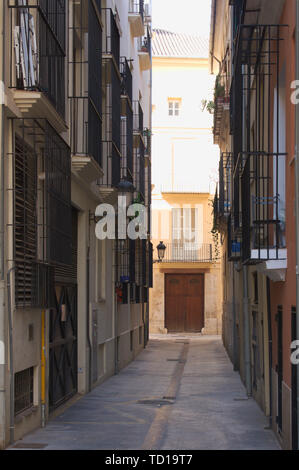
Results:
x,y
174,107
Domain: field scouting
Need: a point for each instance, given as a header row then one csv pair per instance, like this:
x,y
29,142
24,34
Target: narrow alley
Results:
x,y
180,393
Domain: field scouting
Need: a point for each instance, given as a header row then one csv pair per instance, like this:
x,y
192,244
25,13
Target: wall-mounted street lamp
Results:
x,y
161,249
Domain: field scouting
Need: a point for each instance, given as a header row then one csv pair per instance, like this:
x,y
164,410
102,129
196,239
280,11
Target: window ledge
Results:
x,y
25,414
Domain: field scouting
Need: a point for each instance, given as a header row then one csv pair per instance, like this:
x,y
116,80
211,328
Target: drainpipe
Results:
x,y
246,326
297,200
3,335
270,349
11,361
235,356
43,370
115,314
88,320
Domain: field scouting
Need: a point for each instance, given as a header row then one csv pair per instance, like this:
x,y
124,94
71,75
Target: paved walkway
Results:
x,y
180,394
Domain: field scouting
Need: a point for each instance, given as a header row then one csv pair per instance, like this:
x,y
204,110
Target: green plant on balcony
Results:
x,y
219,92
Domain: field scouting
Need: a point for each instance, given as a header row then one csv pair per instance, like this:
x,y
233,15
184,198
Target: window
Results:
x,y
174,107
23,390
185,225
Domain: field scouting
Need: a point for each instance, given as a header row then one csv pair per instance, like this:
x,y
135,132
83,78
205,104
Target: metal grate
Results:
x,y
85,84
259,157
41,218
23,390
127,81
111,146
127,141
138,117
58,198
111,38
37,54
137,7
139,171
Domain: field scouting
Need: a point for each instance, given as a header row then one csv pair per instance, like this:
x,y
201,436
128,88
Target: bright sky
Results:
x,y
183,16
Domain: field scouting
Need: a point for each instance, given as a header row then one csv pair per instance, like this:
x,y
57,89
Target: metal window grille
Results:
x,y
23,390
127,80
127,140
40,222
137,7
111,36
225,184
259,170
37,54
85,84
111,147
138,117
145,44
139,171
58,198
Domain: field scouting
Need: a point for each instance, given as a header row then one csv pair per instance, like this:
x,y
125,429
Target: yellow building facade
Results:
x,y
187,294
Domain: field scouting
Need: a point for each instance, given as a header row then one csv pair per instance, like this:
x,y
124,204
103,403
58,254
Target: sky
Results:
x,y
183,16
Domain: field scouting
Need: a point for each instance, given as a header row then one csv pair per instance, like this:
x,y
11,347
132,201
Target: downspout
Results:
x,y
235,352
297,201
11,361
3,151
246,326
115,314
43,369
88,319
3,335
214,16
270,349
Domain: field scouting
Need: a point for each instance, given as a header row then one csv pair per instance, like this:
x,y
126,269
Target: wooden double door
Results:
x,y
184,302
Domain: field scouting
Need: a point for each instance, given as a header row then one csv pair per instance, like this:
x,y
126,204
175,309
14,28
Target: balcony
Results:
x,y
234,238
126,79
138,119
111,37
221,106
182,252
85,90
139,173
262,187
86,129
225,185
37,59
111,131
147,136
136,17
145,51
127,141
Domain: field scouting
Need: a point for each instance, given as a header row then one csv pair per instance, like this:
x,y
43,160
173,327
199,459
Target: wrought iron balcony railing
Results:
x,y
225,184
37,48
136,7
111,35
139,172
262,188
86,129
127,81
138,117
184,252
127,141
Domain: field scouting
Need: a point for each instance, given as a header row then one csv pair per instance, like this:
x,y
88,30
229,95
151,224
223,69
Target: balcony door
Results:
x,y
184,303
185,234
